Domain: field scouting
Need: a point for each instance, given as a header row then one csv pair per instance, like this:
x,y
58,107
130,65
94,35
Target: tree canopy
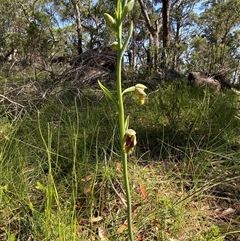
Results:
x,y
180,35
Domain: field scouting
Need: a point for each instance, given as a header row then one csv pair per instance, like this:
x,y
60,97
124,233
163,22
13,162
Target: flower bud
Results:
x,y
129,6
140,93
114,46
109,19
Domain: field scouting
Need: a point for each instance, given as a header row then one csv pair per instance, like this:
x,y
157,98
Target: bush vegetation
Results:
x,y
61,175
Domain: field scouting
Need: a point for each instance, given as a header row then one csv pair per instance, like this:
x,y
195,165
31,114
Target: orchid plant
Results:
x,y
127,136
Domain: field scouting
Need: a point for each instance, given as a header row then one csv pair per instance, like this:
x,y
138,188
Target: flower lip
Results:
x,y
130,141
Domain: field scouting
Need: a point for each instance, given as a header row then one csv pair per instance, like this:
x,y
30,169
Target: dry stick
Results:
x,y
11,101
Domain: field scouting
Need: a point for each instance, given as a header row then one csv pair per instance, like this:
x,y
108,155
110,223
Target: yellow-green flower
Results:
x,y
114,46
140,93
130,141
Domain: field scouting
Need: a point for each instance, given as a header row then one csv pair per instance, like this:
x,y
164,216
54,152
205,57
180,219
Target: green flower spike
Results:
x,y
140,93
130,141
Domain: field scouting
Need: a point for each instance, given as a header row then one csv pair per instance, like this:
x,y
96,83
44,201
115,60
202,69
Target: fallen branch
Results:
x,y
11,101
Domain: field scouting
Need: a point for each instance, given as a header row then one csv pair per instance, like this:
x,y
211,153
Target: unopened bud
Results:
x,y
109,19
129,6
114,46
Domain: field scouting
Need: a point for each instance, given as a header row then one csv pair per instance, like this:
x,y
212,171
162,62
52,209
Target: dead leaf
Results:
x,y
96,219
84,221
122,228
87,178
217,211
119,167
102,234
139,238
228,211
143,190
87,190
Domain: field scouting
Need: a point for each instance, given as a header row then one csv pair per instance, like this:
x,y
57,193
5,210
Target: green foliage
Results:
x,y
213,47
60,160
43,29
67,151
182,116
40,160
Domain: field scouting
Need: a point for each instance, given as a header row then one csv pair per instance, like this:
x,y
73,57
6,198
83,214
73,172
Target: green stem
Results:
x,y
122,131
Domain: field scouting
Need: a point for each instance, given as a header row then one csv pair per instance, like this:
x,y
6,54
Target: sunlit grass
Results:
x,y
61,175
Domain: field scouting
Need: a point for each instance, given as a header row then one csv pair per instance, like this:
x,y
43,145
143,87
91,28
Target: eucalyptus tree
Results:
x,y
167,23
27,26
181,26
37,34
10,26
166,5
153,23
136,52
216,48
76,7
96,32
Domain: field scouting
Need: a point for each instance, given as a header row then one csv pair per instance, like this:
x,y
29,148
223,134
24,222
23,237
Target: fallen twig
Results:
x,y
11,101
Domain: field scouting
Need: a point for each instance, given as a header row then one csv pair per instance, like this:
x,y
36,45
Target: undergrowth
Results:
x,y
61,176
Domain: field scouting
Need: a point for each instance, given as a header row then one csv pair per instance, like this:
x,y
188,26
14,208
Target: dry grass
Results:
x,y
163,208
61,178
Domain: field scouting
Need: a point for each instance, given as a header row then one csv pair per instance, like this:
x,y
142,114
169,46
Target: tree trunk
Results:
x,y
166,34
175,51
153,37
78,25
165,22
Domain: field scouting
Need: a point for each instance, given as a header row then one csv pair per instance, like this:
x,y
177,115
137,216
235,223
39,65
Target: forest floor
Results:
x,y
62,177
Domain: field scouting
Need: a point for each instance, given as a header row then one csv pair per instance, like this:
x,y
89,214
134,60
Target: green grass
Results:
x,y
61,174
